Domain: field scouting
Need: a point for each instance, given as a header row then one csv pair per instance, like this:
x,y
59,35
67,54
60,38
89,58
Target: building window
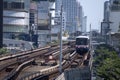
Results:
x,y
11,45
17,5
32,18
32,15
16,45
32,21
5,5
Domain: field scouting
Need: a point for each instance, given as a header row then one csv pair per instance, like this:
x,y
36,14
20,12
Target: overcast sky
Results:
x,y
93,9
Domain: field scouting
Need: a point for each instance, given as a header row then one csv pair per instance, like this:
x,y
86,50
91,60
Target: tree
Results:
x,y
3,51
108,63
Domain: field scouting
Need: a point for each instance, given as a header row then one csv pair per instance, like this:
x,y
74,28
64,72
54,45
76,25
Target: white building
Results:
x,y
73,11
70,7
80,15
84,24
111,23
104,24
115,25
15,17
55,30
52,12
114,16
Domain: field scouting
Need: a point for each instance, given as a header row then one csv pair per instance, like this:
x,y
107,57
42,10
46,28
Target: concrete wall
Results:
x,y
82,73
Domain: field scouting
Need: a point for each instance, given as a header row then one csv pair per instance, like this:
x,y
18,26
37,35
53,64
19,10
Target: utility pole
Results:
x,y
1,23
60,65
90,36
90,41
91,52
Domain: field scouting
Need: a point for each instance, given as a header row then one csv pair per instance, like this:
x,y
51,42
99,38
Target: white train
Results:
x,y
82,44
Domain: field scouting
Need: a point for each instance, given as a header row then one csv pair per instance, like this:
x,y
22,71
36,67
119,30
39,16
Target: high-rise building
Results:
x,y
70,7
43,23
105,23
113,17
80,18
73,11
84,24
45,20
58,5
111,20
111,23
106,11
15,17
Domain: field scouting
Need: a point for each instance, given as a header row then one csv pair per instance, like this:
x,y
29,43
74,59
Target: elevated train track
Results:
x,y
8,61
55,55
52,72
16,61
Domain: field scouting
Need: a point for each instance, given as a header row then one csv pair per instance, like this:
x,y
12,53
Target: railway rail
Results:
x,y
50,74
12,60
55,56
48,71
19,59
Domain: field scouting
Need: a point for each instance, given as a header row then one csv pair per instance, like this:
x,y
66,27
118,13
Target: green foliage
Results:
x,y
108,64
3,51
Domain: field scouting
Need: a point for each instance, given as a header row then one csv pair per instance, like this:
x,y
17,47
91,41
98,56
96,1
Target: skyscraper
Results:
x,y
70,7
73,11
80,15
84,24
58,5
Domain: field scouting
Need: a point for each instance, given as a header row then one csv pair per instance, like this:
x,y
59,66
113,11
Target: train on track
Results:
x,y
82,44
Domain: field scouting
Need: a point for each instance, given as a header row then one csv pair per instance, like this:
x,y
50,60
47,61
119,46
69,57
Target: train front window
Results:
x,y
81,41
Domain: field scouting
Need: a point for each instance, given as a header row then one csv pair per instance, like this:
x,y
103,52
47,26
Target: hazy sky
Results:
x,y
93,9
